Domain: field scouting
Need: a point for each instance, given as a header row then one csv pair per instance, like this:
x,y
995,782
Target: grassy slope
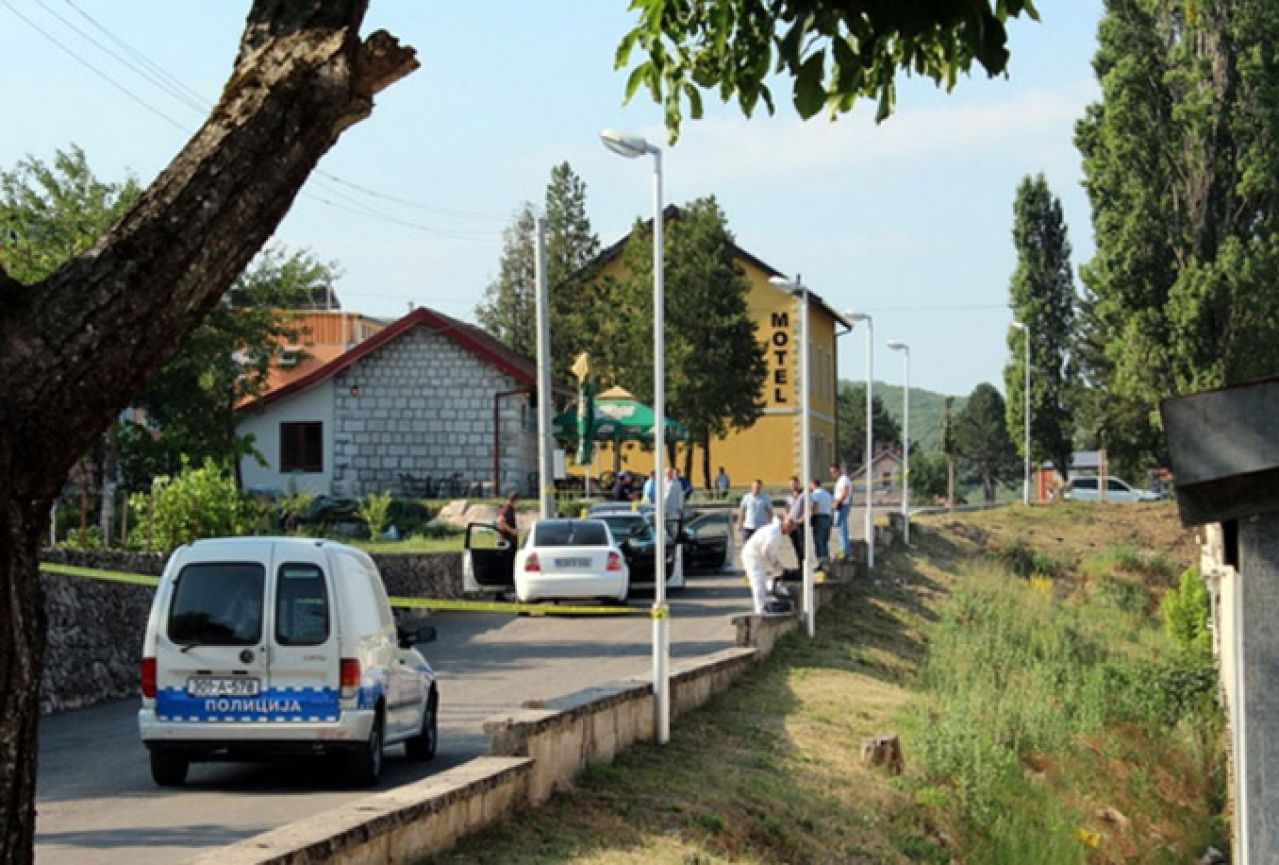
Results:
x,y
770,771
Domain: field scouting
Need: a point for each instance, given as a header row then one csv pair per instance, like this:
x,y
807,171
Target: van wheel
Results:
x,y
363,765
168,768
422,746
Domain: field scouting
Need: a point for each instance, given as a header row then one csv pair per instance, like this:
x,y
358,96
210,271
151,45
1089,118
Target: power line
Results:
x,y
95,70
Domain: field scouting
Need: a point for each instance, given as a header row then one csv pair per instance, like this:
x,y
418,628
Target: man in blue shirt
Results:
x,y
755,510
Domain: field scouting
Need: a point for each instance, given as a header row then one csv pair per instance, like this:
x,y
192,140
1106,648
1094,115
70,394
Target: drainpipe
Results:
x,y
497,435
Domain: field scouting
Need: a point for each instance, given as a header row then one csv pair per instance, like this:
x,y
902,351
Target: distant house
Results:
x,y
429,405
886,472
321,335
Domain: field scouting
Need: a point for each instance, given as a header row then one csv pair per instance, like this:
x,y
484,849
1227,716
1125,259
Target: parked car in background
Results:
x,y
1089,490
263,647
571,559
634,534
706,539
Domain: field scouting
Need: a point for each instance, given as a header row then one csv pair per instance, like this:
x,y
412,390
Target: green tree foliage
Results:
x,y
927,412
982,442
195,503
1185,613
1181,160
851,420
190,404
375,510
927,476
836,52
509,308
1043,298
715,364
52,212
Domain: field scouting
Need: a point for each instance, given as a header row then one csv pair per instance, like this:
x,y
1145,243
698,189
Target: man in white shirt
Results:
x,y
762,553
755,511
842,505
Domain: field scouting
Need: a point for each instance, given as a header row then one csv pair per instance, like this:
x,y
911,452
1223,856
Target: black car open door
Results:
x,y
488,560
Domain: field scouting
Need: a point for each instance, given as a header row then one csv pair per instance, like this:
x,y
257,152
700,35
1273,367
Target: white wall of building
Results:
x,y
314,404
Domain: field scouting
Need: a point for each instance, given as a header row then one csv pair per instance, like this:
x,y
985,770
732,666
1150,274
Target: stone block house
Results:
x,y
427,406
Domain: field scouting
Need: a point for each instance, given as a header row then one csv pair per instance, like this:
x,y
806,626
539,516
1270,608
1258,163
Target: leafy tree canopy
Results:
x,y
982,441
837,51
851,418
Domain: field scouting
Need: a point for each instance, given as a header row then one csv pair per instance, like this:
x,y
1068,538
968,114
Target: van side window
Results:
x,y
217,604
301,606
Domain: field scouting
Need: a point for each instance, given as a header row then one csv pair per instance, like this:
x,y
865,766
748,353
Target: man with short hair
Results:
x,y
822,507
623,487
762,553
674,495
842,506
722,483
755,510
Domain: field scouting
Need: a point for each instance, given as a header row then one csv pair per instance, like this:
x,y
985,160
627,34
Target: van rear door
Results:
x,y
211,652
305,655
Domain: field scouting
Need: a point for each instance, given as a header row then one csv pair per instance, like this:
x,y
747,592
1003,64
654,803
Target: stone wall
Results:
x,y
96,627
423,405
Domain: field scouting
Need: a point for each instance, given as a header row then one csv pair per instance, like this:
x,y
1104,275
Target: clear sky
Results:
x,y
909,220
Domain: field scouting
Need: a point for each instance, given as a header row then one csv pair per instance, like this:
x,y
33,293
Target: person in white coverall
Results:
x,y
761,553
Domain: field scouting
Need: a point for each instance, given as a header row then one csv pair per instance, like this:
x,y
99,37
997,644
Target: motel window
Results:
x,y
302,447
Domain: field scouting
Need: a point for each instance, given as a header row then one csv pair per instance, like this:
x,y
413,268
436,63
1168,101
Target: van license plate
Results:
x,y
208,686
573,563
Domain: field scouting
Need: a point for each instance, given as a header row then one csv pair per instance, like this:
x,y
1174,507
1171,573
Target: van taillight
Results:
x,y
531,563
349,672
614,562
148,678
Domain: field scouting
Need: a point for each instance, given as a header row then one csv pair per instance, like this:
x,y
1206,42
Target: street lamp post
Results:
x,y
545,485
633,147
854,315
1025,484
805,448
898,345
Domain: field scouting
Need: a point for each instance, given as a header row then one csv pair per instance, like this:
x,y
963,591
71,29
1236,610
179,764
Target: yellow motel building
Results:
x,y
770,449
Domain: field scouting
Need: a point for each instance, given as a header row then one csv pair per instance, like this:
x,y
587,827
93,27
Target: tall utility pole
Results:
x,y
545,482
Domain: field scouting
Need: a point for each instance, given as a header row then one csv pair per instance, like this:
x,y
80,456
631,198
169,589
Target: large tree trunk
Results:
x,y
76,347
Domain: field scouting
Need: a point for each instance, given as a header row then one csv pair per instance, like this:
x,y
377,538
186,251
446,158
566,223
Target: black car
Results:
x,y
634,534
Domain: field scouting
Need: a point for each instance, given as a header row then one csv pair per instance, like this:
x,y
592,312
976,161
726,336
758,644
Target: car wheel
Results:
x,y
168,768
363,765
422,746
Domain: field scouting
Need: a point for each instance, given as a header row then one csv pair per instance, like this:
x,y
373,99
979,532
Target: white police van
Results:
x,y
262,647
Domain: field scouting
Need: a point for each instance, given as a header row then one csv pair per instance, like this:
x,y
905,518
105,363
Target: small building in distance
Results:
x,y
426,406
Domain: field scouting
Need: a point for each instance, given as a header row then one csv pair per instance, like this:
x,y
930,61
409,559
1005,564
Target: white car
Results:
x,y
259,647
571,559
1089,490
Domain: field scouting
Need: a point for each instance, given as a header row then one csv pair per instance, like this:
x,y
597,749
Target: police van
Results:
x,y
263,647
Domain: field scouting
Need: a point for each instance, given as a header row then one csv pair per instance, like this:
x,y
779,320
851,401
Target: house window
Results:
x,y
302,447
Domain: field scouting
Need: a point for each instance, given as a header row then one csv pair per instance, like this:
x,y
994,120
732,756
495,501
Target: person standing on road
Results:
x,y
623,488
755,511
842,505
761,554
795,516
822,507
650,489
674,495
508,526
722,484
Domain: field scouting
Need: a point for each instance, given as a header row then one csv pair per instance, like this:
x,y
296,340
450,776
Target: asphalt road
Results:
x,y
97,803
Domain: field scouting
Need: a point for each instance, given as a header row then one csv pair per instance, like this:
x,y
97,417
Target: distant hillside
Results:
x,y
927,409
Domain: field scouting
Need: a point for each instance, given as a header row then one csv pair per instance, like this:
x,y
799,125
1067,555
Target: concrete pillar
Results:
x,y
1258,739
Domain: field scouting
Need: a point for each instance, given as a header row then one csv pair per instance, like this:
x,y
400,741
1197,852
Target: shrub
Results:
x,y
291,508
374,509
196,503
1185,612
90,538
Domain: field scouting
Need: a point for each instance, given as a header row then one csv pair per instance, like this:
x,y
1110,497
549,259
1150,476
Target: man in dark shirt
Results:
x,y
506,524
624,488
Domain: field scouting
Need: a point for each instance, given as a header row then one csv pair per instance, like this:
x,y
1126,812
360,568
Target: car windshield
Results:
x,y
217,604
570,533
628,527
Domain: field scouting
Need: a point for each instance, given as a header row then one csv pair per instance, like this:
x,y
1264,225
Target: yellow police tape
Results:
x,y
405,603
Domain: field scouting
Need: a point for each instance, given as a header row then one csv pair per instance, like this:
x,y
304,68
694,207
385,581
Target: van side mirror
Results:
x,y
409,639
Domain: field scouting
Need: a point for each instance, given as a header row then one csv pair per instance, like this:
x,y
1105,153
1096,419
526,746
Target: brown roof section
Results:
x,y
468,336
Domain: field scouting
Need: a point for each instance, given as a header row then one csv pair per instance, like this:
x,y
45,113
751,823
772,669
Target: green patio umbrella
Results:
x,y
618,417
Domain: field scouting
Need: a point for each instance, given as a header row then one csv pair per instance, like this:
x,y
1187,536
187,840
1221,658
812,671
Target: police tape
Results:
x,y
403,603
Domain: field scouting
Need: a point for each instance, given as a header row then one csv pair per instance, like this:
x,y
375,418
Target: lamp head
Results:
x,y
897,345
783,282
1017,325
854,315
626,144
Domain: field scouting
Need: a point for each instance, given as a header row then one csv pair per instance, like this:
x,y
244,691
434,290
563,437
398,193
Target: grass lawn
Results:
x,y
1033,723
